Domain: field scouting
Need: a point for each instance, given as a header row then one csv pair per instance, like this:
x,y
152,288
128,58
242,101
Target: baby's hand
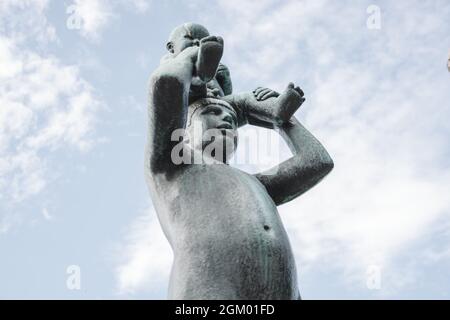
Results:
x,y
262,94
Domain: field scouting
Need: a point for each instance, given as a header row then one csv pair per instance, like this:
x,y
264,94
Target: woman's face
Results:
x,y
218,126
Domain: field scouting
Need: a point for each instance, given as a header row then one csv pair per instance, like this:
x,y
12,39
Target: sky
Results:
x,y
76,219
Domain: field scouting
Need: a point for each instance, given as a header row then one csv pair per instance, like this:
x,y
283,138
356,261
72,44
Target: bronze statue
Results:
x,y
222,223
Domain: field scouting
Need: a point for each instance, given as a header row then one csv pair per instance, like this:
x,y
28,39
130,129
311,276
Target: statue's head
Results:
x,y
184,36
212,127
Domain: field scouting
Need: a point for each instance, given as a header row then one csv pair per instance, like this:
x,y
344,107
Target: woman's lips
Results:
x,y
225,126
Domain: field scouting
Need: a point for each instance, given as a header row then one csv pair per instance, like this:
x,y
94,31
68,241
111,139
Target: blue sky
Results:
x,y
73,125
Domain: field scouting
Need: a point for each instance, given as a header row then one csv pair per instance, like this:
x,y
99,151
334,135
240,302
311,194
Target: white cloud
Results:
x,y
46,214
45,105
95,16
141,6
25,19
92,17
145,257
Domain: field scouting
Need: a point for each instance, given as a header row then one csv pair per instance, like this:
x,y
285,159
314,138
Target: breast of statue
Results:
x,y
232,246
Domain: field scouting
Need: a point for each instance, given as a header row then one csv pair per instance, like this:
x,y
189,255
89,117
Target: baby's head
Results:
x,y
184,36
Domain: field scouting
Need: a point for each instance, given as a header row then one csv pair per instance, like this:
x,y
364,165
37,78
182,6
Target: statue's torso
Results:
x,y
227,237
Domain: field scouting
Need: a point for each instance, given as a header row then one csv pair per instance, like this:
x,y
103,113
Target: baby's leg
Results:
x,y
204,65
196,65
209,55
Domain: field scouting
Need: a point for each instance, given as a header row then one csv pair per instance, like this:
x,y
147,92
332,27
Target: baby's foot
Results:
x,y
288,102
209,55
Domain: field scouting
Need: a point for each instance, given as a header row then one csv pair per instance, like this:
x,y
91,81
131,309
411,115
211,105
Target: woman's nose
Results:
x,y
228,118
